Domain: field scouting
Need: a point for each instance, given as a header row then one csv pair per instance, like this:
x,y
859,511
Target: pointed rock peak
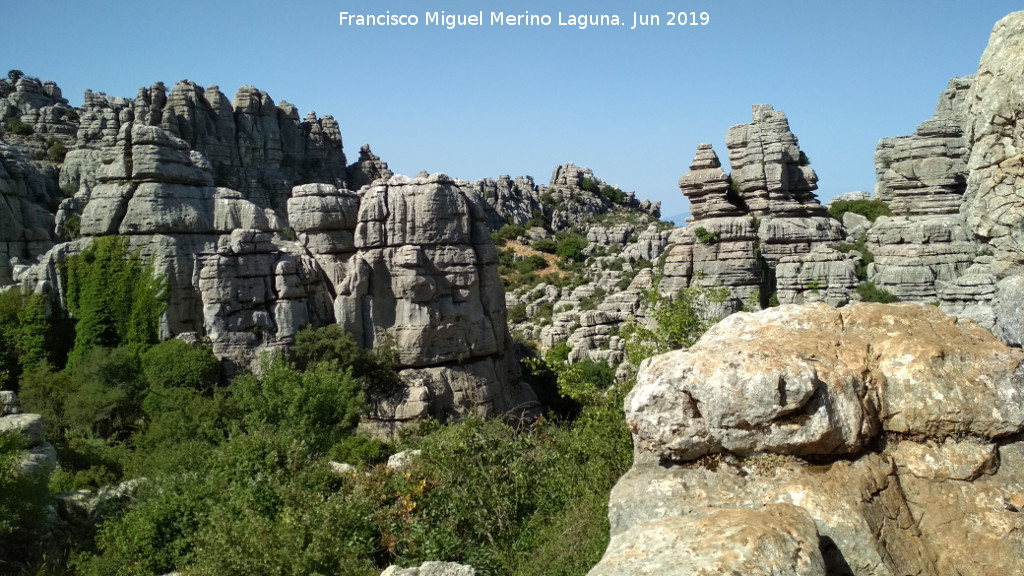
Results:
x,y
311,117
705,158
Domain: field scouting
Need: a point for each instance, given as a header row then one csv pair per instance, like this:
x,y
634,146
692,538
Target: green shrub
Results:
x,y
613,194
319,406
71,115
545,245
544,313
373,369
73,227
704,236
15,126
570,246
115,298
870,209
868,292
510,232
590,186
56,150
175,364
531,263
22,496
360,451
861,245
517,313
679,321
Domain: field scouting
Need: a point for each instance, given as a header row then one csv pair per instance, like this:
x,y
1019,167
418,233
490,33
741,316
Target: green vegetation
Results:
x,y
613,194
570,246
680,320
525,500
508,232
114,297
55,150
15,126
868,292
704,236
861,245
71,115
590,186
870,209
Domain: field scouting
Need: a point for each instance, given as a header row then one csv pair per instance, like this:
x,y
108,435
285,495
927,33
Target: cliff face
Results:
x,y
955,188
246,211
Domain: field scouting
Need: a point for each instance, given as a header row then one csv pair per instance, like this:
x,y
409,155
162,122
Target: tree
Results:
x,y
14,75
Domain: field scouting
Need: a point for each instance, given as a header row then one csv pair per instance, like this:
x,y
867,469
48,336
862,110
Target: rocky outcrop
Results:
x,y
954,186
893,430
39,459
925,247
760,230
25,225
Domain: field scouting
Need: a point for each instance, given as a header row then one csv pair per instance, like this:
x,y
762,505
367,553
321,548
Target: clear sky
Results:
x,y
481,101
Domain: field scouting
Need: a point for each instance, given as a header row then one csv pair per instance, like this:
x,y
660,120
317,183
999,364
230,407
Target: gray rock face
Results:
x,y
752,232
926,173
25,226
937,493
769,169
994,185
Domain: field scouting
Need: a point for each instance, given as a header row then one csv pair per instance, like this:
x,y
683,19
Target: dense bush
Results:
x,y
570,246
870,209
613,194
56,151
509,232
590,186
115,298
545,245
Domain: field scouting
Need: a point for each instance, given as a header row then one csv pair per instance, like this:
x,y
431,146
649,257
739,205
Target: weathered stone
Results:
x,y
844,376
30,426
432,569
777,540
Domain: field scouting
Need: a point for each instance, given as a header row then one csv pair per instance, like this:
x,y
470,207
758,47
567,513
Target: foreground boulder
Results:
x,y
894,428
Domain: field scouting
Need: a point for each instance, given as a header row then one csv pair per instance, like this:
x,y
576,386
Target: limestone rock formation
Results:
x,y
954,187
760,230
925,410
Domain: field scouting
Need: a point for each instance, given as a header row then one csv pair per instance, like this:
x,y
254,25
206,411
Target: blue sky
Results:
x,y
483,101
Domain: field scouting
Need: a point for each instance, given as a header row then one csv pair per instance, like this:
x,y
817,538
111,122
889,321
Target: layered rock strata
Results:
x,y
760,229
889,436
